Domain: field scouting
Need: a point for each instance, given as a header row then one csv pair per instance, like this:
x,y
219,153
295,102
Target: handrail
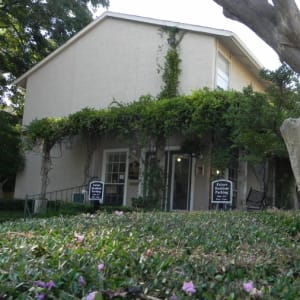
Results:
x,y
62,194
65,195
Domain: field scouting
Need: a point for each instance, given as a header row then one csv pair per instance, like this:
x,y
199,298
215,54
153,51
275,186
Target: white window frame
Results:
x,y
104,161
221,74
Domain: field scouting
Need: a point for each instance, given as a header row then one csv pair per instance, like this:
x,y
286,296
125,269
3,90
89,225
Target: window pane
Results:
x,y
222,77
115,177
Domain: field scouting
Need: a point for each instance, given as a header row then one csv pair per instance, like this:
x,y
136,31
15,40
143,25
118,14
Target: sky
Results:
x,y
198,12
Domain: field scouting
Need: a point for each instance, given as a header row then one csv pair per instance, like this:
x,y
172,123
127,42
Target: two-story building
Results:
x,y
117,57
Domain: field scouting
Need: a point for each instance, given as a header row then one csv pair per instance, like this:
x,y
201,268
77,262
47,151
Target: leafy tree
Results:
x,y
11,158
31,29
255,120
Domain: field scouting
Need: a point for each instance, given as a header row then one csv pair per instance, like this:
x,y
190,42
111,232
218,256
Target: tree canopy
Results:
x,y
11,158
31,29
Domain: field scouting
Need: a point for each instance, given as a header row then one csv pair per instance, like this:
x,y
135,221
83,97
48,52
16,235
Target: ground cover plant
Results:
x,y
153,255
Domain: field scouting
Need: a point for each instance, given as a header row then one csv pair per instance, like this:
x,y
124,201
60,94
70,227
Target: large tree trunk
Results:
x,y
278,25
91,146
40,205
290,130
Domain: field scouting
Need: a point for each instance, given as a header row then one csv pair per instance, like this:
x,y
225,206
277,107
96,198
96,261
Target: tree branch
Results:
x,y
278,25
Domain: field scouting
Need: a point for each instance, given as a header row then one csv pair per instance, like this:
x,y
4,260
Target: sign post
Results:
x,y
96,191
221,191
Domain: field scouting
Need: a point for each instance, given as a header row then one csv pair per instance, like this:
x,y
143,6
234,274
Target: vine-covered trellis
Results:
x,y
231,120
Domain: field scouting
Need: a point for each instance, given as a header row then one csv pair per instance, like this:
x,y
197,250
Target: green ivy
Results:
x,y
231,119
171,68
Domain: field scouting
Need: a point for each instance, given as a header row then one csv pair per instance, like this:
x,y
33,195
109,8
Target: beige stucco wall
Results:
x,y
197,54
239,74
117,60
68,163
28,181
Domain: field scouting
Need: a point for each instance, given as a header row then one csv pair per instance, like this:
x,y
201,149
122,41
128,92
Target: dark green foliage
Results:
x,y
171,74
196,114
30,30
47,131
283,94
11,156
171,69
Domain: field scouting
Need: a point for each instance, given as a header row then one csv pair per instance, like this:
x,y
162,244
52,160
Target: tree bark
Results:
x,y
1,187
40,205
290,130
91,146
278,24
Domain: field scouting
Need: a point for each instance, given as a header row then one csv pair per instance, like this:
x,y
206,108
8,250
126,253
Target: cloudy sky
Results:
x,y
198,12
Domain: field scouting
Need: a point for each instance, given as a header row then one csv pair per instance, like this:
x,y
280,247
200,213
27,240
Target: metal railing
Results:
x,y
73,194
65,195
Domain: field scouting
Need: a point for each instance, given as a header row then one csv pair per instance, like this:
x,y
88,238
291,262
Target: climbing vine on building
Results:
x,y
171,68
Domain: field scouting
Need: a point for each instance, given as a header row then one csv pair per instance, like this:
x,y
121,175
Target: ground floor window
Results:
x,y
115,177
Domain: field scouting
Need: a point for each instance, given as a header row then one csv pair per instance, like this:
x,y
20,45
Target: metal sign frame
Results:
x,y
224,191
96,193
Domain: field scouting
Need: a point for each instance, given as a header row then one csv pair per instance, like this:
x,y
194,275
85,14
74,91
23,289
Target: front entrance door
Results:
x,y
180,181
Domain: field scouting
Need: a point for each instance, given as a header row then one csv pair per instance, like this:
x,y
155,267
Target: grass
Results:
x,y
151,255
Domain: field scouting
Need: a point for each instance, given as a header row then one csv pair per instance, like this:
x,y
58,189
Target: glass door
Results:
x,y
180,181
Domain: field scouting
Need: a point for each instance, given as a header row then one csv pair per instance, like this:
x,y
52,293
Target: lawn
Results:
x,y
199,255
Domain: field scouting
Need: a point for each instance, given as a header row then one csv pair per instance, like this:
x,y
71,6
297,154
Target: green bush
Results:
x,y
131,255
13,204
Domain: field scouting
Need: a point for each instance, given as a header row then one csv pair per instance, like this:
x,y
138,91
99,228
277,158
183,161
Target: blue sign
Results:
x,y
96,191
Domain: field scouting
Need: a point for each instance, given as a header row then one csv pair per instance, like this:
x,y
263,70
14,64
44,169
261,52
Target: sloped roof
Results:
x,y
228,38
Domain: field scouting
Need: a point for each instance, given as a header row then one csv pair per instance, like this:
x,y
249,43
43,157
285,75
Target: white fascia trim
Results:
x,y
246,51
60,49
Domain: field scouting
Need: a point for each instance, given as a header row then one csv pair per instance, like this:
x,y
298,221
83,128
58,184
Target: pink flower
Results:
x,y
50,285
40,296
82,281
79,238
91,296
119,213
189,287
248,286
40,283
101,267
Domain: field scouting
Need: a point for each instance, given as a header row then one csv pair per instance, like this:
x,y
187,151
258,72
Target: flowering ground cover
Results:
x,y
199,255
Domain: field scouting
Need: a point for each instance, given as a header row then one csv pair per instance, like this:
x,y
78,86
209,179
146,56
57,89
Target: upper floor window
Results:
x,y
222,74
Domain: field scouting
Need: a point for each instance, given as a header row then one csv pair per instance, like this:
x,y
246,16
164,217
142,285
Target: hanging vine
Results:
x,y
226,115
